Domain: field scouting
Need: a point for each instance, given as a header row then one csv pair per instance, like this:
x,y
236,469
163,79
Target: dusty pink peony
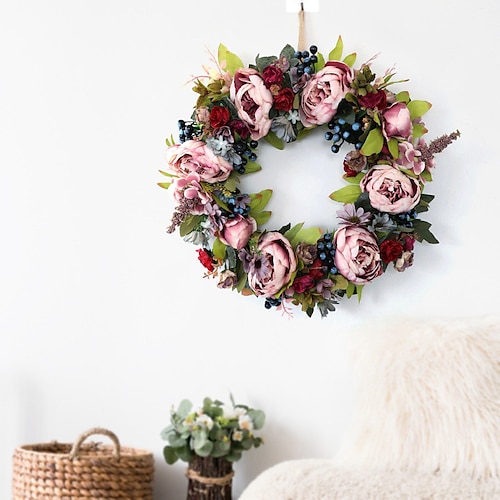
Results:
x,y
272,265
253,101
196,156
323,93
396,121
390,190
189,188
237,231
357,255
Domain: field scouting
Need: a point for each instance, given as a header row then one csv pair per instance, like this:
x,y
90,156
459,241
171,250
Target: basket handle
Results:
x,y
75,450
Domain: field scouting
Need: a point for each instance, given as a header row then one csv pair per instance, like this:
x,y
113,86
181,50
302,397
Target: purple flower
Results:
x,y
350,216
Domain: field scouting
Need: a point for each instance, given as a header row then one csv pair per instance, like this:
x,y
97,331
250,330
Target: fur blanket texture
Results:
x,y
426,425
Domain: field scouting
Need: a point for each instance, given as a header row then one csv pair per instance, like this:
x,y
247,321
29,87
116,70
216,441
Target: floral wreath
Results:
x,y
280,99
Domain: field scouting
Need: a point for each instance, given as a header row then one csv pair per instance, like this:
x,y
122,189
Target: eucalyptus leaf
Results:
x,y
170,455
258,417
184,408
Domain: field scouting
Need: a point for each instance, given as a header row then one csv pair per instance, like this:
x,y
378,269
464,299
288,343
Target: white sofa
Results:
x,y
427,423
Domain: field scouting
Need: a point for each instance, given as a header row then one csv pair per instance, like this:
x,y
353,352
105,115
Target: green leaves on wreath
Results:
x,y
258,201
227,60
336,54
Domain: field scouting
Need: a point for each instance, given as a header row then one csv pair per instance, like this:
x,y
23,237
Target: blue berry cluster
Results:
x,y
187,130
326,252
272,302
341,130
406,218
246,152
307,60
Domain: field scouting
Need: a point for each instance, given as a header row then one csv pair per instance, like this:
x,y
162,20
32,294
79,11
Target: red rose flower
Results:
x,y
390,250
205,258
408,243
239,127
316,270
303,283
272,75
283,100
373,100
219,116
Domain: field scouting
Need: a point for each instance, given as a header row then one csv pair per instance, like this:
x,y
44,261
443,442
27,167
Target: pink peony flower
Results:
x,y
357,255
189,188
396,121
253,101
196,156
323,93
237,231
271,267
390,190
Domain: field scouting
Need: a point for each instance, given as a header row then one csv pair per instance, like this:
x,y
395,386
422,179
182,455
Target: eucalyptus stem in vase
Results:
x,y
210,439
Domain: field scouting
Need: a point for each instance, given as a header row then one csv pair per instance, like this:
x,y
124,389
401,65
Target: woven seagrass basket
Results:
x,y
82,471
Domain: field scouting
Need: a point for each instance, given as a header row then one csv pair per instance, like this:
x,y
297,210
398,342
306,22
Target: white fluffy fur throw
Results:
x,y
429,398
427,425
316,479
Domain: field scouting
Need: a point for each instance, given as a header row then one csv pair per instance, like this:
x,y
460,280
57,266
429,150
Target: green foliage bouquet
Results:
x,y
215,429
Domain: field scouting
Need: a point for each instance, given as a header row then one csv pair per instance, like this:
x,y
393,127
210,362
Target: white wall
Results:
x,y
105,319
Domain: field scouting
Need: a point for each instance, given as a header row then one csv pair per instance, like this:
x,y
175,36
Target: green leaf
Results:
x,y
308,235
166,174
356,179
184,408
393,145
418,130
288,51
258,417
219,249
373,143
170,455
258,201
321,61
403,96
336,53
164,185
263,62
347,194
291,232
190,223
232,61
418,108
252,167
274,140
262,217
350,59
203,447
422,232
351,288
175,441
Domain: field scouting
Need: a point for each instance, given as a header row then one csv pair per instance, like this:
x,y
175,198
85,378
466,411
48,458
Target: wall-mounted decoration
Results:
x,y
386,163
